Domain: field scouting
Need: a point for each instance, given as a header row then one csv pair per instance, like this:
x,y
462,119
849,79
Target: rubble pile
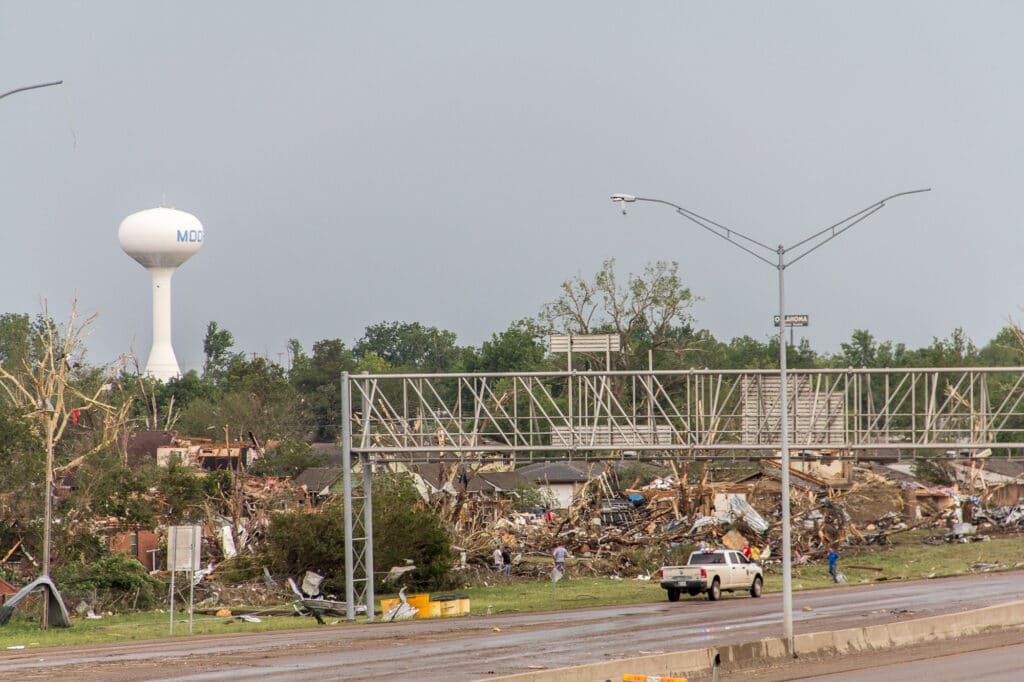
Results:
x,y
634,528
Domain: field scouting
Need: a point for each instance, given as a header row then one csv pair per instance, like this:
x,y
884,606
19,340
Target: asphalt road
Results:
x,y
476,647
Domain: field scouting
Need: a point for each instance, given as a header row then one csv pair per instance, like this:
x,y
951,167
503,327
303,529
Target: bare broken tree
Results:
x,y
48,389
648,312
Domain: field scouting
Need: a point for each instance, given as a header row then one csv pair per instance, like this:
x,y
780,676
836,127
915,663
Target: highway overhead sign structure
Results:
x,y
794,320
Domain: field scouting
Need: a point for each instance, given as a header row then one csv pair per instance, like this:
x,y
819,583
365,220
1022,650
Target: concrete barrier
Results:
x,y
752,654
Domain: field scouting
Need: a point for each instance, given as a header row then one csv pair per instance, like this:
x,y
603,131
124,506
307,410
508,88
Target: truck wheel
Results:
x,y
673,594
755,589
715,591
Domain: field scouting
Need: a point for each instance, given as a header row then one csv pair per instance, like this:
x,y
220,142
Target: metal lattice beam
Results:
x,y
860,412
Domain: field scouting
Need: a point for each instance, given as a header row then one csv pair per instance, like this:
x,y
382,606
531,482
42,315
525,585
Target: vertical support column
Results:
x,y
346,463
787,552
367,511
572,421
368,533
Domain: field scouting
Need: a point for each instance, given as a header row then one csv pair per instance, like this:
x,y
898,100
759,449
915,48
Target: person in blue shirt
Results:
x,y
833,557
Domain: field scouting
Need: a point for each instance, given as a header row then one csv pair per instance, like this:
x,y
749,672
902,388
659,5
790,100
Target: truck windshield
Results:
x,y
698,558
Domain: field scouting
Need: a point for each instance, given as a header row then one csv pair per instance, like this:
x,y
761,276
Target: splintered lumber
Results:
x,y
9,553
879,569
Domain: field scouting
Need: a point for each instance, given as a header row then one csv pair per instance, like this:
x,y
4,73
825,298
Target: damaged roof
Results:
x,y
319,479
141,446
331,453
797,479
499,481
560,472
436,475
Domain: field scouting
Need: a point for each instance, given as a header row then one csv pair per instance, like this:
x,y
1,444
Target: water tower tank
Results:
x,y
161,239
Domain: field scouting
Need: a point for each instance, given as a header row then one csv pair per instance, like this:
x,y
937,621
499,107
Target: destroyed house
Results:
x,y
212,456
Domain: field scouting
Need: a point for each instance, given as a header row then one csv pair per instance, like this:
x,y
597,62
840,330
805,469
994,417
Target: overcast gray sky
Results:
x,y
450,162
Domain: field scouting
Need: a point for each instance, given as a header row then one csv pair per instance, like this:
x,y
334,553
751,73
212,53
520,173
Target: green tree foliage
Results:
x,y
411,347
108,577
106,487
21,485
864,351
404,529
16,346
253,395
956,351
318,380
1005,350
520,348
217,345
187,492
300,541
184,389
289,458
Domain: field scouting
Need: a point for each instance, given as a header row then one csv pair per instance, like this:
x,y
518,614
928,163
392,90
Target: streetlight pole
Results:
x,y
780,263
51,415
48,522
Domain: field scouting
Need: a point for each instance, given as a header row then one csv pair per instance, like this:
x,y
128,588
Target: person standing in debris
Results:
x,y
506,561
560,553
499,562
833,557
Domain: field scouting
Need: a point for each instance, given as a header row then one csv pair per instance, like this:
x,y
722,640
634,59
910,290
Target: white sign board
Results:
x,y
584,343
184,544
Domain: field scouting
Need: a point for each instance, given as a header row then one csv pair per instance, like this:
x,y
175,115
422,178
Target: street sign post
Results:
x,y
793,321
184,546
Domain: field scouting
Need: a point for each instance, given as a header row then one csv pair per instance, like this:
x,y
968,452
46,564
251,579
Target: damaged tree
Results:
x,y
50,393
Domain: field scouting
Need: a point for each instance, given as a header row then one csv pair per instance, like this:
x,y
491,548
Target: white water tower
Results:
x,y
161,239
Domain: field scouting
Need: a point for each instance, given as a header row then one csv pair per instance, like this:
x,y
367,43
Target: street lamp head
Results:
x,y
623,199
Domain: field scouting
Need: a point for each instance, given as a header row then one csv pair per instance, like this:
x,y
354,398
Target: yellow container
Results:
x,y
421,602
388,604
449,607
435,609
463,605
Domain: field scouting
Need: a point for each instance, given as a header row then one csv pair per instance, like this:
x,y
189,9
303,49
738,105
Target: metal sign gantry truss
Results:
x,y
656,415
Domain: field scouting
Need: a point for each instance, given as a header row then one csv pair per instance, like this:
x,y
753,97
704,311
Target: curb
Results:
x,y
751,654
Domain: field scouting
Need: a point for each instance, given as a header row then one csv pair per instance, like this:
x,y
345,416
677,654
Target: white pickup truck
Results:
x,y
713,572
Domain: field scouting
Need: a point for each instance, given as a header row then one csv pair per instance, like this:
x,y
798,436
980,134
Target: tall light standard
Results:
x,y
48,522
782,260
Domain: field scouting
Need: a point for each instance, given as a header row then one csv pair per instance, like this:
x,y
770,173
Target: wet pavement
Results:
x,y
476,647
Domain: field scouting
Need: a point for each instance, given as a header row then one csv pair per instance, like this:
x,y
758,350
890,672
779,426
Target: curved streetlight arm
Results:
x,y
843,225
717,229
730,235
30,87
